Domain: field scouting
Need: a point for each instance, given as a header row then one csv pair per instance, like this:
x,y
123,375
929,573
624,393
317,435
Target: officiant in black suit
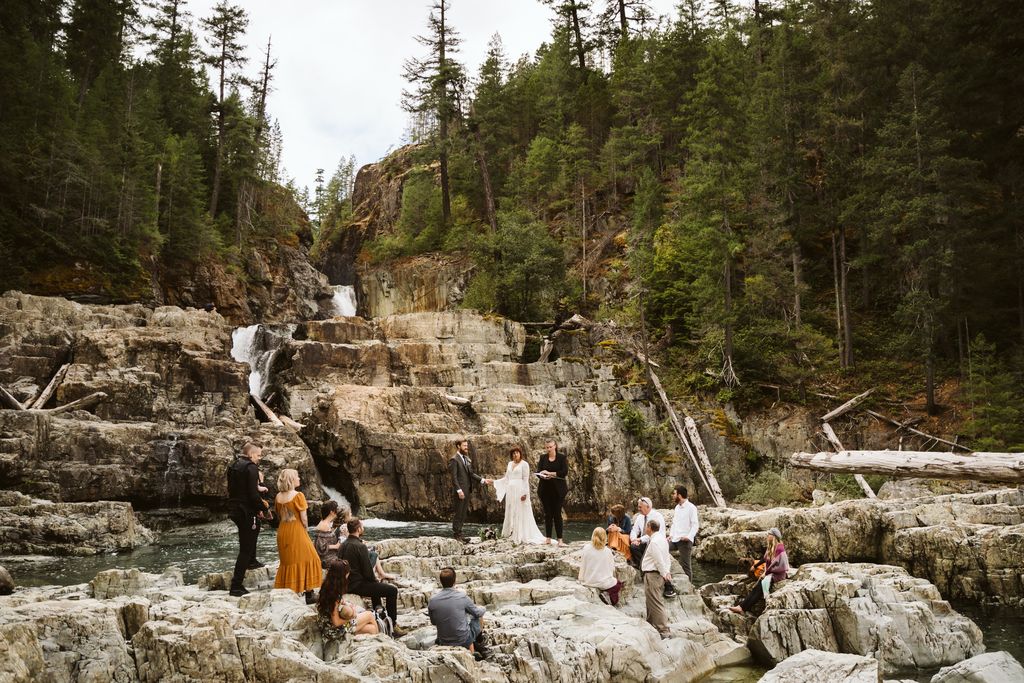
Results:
x,y
463,479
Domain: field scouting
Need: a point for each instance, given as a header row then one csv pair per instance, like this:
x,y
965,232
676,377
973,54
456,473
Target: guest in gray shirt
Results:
x,y
456,617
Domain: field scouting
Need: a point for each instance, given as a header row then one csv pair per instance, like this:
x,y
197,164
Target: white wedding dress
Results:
x,y
519,524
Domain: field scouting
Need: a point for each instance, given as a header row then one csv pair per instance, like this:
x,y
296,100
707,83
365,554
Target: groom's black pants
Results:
x,y
461,504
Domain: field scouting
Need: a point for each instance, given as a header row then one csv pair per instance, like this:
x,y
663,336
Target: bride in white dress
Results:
x,y
514,487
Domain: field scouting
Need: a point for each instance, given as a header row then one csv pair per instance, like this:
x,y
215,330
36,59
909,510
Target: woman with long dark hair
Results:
x,y
336,616
552,469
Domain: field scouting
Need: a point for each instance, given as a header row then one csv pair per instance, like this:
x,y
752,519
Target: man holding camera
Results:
x,y
247,508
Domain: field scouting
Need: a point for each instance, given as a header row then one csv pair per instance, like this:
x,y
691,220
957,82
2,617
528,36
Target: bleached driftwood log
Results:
x,y
993,467
846,407
58,377
80,404
833,439
270,415
8,400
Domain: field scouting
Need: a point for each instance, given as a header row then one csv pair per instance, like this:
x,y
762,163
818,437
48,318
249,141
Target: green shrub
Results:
x,y
633,420
770,488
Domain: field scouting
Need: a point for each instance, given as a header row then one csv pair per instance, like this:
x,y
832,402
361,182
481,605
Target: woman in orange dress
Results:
x,y
300,568
619,526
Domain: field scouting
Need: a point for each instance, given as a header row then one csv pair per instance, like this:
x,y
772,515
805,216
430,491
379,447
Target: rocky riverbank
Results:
x,y
128,626
968,545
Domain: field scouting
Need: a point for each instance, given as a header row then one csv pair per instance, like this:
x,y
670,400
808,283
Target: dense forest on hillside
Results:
x,y
787,194
118,156
800,190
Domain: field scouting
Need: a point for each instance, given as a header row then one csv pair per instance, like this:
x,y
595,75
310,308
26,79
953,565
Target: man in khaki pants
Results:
x,y
657,569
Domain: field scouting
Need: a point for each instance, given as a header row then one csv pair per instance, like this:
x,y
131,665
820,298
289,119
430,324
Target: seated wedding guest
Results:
x,y
336,616
362,579
771,568
638,537
597,568
332,531
327,538
458,620
619,525
657,571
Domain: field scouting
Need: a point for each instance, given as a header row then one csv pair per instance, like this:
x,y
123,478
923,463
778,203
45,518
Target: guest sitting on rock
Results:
x,y
619,525
597,568
331,532
458,620
336,616
771,568
638,537
327,539
362,580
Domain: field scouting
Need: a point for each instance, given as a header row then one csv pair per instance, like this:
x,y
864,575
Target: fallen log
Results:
x,y
702,455
993,467
8,400
847,407
906,426
288,422
274,419
79,404
58,377
457,400
830,434
707,477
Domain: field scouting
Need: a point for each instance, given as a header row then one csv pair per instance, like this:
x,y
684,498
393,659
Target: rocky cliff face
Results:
x,y
177,407
384,402
277,283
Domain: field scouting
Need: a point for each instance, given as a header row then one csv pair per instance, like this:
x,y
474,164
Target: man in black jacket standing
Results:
x,y
246,510
361,579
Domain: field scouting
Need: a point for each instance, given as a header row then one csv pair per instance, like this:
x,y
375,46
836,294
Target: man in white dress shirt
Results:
x,y
684,529
638,536
657,570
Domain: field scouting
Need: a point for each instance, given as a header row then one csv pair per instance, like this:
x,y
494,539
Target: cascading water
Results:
x,y
337,496
344,300
258,345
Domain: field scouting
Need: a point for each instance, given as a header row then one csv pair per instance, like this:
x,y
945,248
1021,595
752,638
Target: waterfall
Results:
x,y
258,345
336,495
173,473
344,300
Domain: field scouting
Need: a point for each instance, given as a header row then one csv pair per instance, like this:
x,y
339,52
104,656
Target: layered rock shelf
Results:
x,y
968,545
384,402
177,407
127,625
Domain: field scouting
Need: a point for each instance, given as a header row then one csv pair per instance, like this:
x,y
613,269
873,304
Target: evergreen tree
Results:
x,y
226,26
439,81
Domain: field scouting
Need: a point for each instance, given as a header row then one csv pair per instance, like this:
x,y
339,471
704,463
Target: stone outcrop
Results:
x,y
416,284
43,527
376,397
968,545
823,667
863,609
6,582
991,667
177,408
134,626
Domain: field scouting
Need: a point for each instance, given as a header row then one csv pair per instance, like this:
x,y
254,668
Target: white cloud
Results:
x,y
338,82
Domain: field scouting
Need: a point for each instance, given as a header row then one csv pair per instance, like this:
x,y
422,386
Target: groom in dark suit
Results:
x,y
463,479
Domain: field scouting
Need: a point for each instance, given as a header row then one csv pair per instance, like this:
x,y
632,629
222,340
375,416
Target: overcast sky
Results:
x,y
338,82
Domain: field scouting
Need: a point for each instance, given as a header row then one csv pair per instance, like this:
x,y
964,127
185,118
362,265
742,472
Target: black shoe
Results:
x,y
310,599
256,565
398,633
238,592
